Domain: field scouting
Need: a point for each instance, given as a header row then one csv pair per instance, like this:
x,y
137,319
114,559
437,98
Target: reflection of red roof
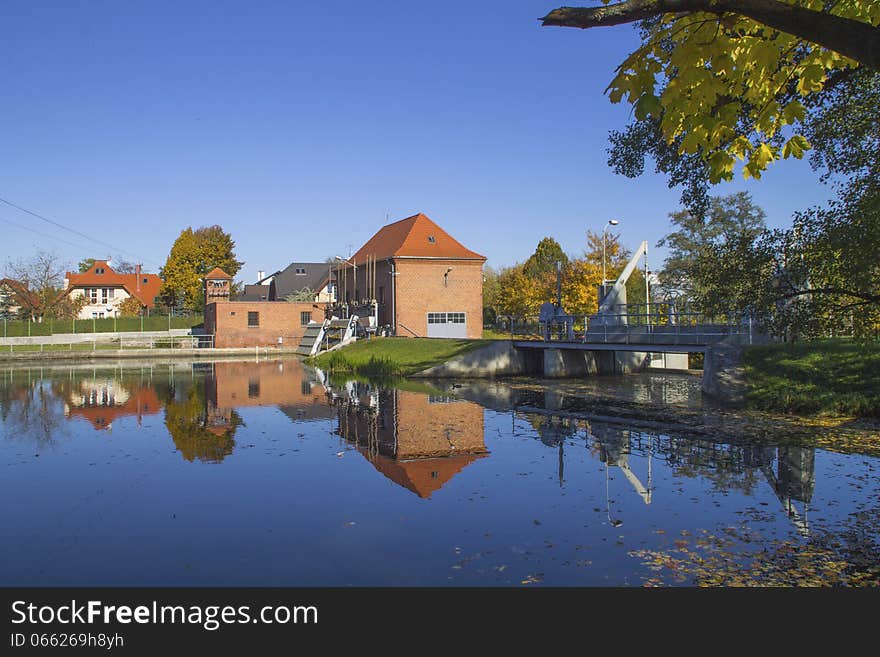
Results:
x,y
144,286
143,401
422,476
217,273
414,237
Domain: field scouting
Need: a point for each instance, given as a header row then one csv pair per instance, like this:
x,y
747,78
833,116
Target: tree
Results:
x,y
85,264
193,254
733,217
794,282
305,294
544,259
121,266
721,79
131,307
42,275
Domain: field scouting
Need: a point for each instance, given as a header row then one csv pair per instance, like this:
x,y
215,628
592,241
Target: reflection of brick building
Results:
x,y
418,441
103,401
254,323
285,384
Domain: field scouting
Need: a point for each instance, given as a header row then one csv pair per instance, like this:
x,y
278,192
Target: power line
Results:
x,y
74,231
42,234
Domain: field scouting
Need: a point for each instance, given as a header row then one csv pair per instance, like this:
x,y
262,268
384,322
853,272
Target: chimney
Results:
x,y
260,276
137,276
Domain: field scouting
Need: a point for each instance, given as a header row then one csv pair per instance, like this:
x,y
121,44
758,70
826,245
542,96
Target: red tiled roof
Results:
x,y
146,290
217,273
414,237
20,290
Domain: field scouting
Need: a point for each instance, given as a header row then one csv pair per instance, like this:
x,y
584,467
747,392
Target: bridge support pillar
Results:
x,y
560,363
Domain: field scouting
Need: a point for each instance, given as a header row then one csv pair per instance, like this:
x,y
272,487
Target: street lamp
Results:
x,y
611,222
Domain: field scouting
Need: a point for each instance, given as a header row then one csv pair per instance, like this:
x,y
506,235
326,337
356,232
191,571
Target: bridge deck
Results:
x,y
613,346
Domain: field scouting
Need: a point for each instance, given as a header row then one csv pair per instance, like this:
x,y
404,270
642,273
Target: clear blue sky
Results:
x,y
298,126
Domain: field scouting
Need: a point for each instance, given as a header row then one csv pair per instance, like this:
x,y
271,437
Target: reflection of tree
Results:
x,y
30,410
198,433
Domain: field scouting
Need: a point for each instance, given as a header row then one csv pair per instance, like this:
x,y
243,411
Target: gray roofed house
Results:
x,y
297,277
254,293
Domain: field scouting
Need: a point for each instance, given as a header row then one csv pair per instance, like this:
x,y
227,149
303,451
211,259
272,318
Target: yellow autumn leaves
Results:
x,y
730,88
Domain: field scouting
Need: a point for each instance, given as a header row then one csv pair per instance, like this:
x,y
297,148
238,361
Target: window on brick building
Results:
x,y
253,319
253,388
305,317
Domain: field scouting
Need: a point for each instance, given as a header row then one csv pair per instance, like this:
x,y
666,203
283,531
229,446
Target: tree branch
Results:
x,y
854,39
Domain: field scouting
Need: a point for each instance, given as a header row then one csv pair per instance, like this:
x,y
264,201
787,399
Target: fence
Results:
x,y
660,323
190,342
24,327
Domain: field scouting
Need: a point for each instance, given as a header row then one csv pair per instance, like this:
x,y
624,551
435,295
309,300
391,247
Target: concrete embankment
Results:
x,y
724,377
723,374
503,358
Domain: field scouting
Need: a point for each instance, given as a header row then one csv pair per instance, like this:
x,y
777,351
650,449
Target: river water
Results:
x,y
266,473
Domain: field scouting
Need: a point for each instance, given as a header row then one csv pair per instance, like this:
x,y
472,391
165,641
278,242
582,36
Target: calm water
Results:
x,y
243,473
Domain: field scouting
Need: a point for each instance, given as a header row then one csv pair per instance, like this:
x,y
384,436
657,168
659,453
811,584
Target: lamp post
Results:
x,y
611,222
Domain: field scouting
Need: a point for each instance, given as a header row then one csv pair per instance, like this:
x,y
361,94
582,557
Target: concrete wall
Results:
x,y
81,338
724,374
228,322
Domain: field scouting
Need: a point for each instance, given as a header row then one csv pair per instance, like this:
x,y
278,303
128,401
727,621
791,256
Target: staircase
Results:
x,y
331,333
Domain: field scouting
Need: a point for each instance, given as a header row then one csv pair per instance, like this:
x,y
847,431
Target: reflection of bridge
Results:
x,y
789,471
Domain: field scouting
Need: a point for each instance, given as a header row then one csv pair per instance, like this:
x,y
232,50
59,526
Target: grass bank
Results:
x,y
394,356
834,377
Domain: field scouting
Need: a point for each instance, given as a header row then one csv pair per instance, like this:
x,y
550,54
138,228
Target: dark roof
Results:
x,y
312,275
254,293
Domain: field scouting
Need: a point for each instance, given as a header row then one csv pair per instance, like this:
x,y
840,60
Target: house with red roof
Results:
x,y
105,289
423,281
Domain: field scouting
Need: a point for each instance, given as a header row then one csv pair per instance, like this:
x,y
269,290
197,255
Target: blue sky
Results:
x,y
299,126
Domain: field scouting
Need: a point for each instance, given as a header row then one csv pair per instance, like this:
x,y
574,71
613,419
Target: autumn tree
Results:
x,y
131,307
723,80
42,275
194,254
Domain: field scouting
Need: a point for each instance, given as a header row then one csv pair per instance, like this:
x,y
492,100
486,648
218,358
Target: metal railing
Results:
x,y
189,342
663,325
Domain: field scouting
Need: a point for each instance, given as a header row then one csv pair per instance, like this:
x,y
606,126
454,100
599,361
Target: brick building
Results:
x,y
254,323
427,284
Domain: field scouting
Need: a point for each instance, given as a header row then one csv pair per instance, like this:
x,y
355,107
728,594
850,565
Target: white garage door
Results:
x,y
447,325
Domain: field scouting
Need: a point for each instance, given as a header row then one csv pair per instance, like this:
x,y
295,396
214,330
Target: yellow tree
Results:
x,y
724,78
194,254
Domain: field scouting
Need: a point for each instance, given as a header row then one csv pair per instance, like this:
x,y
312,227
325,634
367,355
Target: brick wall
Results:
x,y
419,288
228,322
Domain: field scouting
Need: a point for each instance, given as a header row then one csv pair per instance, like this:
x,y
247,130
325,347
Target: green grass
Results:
x,y
394,356
829,377
20,328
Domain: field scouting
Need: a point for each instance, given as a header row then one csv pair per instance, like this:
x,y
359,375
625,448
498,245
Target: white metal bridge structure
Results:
x,y
646,326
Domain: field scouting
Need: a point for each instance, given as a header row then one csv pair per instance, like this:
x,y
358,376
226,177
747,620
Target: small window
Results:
x,y
431,239
305,387
253,319
99,270
300,271
146,280
305,317
254,388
